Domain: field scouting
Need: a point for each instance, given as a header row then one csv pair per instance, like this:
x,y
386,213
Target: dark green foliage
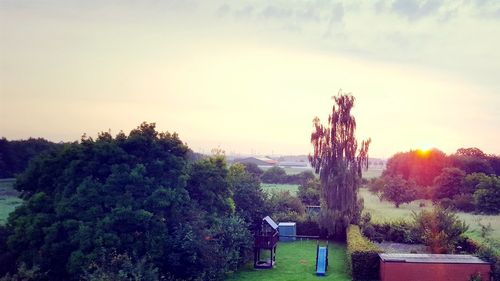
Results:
x,y
311,227
274,175
448,183
440,229
398,190
487,195
309,192
135,198
248,195
363,261
399,231
253,170
339,160
464,203
285,207
15,155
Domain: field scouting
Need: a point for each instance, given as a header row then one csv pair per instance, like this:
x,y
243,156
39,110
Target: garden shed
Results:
x,y
432,267
288,231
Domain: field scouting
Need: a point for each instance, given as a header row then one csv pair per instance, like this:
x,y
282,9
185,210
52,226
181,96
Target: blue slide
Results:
x,y
321,264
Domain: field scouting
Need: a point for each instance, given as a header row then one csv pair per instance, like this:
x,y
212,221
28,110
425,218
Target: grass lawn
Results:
x,y
383,211
297,261
8,200
271,187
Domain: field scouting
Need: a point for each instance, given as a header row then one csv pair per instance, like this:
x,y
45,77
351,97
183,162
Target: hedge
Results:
x,y
485,252
363,261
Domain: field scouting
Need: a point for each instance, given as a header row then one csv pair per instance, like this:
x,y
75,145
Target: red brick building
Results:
x,y
428,267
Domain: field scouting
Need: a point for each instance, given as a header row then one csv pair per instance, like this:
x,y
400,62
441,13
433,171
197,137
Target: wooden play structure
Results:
x,y
266,239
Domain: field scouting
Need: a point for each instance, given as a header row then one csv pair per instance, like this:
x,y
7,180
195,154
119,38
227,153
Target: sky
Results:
x,y
249,76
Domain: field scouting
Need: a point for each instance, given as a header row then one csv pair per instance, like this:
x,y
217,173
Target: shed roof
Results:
x,y
287,224
431,258
270,221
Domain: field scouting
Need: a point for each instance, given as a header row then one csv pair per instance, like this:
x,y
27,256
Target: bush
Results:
x,y
440,229
363,261
464,202
311,228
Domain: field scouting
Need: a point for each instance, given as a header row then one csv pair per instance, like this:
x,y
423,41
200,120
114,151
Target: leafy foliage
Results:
x,y
440,229
137,198
15,155
362,256
338,162
309,192
398,190
448,183
487,195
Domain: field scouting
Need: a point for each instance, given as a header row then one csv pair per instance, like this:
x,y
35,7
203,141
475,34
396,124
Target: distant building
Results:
x,y
259,161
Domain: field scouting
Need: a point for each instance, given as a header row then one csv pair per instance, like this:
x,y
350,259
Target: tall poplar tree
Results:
x,y
338,161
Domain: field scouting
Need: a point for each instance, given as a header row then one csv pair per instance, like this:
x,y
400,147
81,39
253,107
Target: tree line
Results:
x,y
467,180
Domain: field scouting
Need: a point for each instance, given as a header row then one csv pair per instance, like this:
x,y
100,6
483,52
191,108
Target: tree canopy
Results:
x,y
338,161
130,200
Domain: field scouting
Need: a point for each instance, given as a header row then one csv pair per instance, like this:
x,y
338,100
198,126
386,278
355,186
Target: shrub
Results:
x,y
311,228
363,261
464,202
440,229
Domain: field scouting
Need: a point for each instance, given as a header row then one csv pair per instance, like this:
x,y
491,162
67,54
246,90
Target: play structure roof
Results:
x,y
431,258
270,221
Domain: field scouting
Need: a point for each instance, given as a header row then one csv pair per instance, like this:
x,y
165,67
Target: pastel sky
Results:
x,y
249,76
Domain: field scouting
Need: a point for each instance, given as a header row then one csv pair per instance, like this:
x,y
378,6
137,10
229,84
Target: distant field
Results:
x,y
296,261
372,173
367,174
384,211
289,170
271,187
8,199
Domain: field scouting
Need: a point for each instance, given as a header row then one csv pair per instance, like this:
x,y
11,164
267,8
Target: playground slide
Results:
x,y
321,266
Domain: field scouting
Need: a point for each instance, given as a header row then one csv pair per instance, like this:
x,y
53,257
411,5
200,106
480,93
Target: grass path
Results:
x,y
296,261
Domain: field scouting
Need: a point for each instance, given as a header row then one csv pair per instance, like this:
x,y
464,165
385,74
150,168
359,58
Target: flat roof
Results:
x,y
286,224
431,258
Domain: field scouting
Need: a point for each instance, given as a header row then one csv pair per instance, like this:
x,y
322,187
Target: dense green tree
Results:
x,y
285,207
248,195
16,154
253,170
274,175
309,192
487,195
338,161
132,196
448,183
397,190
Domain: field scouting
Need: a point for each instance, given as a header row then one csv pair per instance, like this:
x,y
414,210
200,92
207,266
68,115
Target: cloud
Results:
x,y
223,10
336,18
276,12
415,10
244,12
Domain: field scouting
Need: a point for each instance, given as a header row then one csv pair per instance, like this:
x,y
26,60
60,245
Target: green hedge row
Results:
x,y
362,256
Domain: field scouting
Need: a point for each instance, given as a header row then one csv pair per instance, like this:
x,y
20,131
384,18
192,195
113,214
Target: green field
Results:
x,y
372,173
272,187
289,170
384,211
8,199
296,261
